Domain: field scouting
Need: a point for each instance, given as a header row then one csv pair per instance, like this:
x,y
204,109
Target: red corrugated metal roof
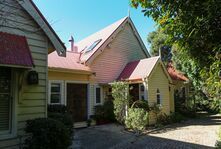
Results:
x,y
175,74
137,70
14,50
71,62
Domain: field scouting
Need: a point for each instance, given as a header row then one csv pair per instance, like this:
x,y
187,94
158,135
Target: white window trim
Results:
x,y
161,101
101,95
144,92
62,92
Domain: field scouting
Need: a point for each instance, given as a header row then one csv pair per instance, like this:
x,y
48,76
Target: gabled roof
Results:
x,y
70,62
175,74
138,70
35,13
106,35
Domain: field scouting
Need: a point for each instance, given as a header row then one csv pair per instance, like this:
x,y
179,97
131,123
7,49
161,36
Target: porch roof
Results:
x,y
137,70
14,51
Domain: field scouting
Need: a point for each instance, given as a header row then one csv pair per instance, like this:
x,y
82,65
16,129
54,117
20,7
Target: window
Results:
x,y
98,95
56,93
158,97
141,92
5,101
93,45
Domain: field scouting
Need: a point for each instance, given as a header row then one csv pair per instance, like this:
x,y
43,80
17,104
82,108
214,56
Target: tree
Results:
x,y
157,39
195,27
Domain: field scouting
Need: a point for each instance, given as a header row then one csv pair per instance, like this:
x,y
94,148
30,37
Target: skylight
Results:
x,y
93,45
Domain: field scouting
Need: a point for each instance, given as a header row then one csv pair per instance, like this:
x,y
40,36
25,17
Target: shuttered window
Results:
x,y
5,100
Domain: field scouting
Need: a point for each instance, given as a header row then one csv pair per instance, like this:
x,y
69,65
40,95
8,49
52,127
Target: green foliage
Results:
x,y
57,108
218,142
176,117
157,39
61,114
120,93
137,119
163,119
141,104
46,133
105,112
64,118
195,28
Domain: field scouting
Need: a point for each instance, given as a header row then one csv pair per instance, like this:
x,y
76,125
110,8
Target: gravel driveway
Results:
x,y
194,133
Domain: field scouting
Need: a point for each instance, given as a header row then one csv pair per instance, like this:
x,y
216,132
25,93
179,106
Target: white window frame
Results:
x,y
142,93
62,101
95,95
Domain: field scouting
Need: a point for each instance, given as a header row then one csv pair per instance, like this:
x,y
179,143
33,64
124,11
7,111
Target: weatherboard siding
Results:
x,y
123,49
30,99
158,80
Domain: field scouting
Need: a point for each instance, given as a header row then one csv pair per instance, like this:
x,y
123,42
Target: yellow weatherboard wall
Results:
x,y
158,80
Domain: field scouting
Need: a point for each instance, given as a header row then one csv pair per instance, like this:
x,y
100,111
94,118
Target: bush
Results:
x,y
164,119
58,108
105,112
47,133
176,117
218,142
61,114
65,118
141,104
137,119
121,100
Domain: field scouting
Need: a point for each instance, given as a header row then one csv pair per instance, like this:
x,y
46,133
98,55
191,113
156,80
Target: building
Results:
x,y
81,80
26,38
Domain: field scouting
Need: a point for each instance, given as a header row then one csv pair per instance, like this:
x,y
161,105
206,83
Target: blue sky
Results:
x,y
81,18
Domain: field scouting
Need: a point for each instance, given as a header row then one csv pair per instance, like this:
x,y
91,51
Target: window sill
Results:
x,y
98,104
7,136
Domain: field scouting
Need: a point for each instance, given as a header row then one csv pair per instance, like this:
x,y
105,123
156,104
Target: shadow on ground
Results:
x,y
114,136
203,119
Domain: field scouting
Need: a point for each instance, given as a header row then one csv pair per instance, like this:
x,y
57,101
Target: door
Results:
x,y
77,101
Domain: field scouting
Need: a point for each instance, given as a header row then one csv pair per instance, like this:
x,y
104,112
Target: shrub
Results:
x,y
65,118
61,114
176,117
105,112
141,104
99,112
163,119
137,119
109,110
58,108
121,100
46,133
218,142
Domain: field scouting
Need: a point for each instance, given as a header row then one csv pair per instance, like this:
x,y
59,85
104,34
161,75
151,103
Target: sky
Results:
x,y
81,18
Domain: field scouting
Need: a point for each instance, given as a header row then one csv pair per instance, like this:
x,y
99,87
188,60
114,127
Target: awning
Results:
x,y
14,51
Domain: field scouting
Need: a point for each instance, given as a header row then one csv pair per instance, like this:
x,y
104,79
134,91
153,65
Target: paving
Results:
x,y
191,134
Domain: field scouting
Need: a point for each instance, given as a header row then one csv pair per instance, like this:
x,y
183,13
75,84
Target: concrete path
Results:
x,y
194,133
